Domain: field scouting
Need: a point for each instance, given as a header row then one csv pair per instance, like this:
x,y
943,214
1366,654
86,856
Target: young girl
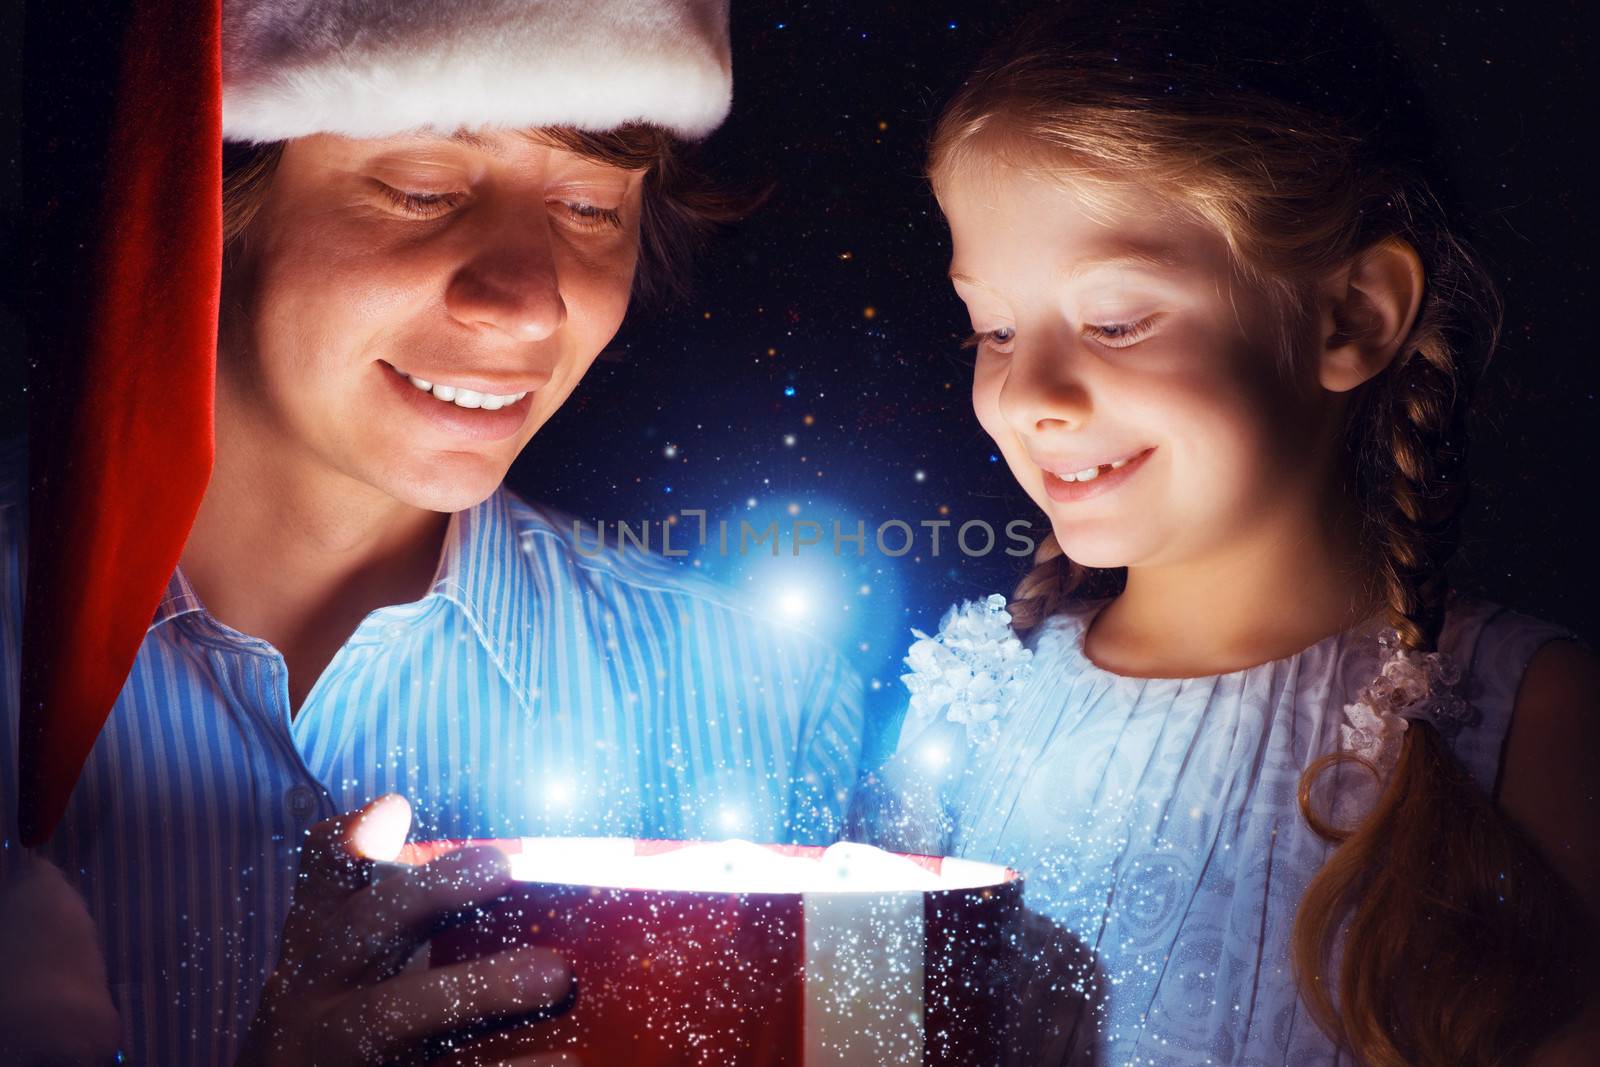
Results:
x,y
1285,798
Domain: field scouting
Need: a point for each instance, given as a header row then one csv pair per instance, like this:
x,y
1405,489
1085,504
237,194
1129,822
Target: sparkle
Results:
x,y
935,755
793,603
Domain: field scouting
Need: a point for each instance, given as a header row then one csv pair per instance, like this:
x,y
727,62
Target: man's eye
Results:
x,y
422,205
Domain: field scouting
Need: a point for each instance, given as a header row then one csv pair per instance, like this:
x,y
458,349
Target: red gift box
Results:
x,y
670,977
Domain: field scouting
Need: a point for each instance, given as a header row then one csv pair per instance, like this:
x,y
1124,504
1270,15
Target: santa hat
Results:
x,y
120,449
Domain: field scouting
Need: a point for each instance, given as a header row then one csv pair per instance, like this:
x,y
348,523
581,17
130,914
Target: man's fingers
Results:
x,y
385,1020
378,927
381,827
335,856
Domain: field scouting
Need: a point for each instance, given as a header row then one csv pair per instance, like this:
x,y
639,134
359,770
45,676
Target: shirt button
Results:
x,y
302,801
394,631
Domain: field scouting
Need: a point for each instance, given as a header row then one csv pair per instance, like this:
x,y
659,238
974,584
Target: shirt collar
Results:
x,y
482,569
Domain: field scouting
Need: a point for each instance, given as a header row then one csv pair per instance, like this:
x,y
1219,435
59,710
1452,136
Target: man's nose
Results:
x,y
1044,391
510,283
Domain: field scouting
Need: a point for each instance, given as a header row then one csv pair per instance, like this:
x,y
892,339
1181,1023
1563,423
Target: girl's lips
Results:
x,y
1071,492
474,424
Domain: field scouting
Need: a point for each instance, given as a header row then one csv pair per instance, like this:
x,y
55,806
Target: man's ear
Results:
x,y
1366,311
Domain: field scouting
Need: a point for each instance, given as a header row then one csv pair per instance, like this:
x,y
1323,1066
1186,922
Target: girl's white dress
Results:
x,y
1156,824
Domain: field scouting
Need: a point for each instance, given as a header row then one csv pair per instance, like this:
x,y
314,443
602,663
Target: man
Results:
x,y
436,234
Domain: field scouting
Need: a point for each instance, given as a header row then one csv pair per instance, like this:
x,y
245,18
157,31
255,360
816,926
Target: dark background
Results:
x,y
774,393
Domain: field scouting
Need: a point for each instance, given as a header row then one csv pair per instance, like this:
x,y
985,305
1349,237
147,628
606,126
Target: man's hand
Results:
x,y
55,1007
337,996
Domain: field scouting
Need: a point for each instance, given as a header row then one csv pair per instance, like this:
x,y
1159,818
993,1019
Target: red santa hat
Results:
x,y
120,452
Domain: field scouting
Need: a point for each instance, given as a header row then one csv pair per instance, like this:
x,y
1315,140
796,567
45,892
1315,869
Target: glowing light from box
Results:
x,y
737,866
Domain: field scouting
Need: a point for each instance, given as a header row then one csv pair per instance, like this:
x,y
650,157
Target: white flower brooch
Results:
x,y
1409,685
972,669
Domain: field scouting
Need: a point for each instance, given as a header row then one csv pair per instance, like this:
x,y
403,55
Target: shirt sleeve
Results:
x,y
831,736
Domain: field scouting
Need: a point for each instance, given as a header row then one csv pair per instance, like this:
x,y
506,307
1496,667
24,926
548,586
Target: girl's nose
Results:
x,y
511,284
1041,393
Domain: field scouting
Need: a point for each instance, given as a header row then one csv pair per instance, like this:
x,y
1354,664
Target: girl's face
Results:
x,y
481,264
1123,374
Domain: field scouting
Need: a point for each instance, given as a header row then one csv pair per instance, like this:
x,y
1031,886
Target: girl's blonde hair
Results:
x,y
1296,134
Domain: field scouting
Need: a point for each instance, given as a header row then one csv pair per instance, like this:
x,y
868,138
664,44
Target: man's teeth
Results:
x,y
466,398
1089,474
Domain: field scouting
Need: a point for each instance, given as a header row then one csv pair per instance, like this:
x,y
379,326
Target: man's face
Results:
x,y
491,270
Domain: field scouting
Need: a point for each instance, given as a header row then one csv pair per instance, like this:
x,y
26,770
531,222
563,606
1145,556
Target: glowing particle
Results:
x,y
793,603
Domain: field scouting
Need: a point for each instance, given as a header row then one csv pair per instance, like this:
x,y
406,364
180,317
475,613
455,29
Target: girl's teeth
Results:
x,y
466,398
1089,474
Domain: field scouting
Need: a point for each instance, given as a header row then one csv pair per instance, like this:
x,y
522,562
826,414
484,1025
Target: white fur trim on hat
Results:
x,y
371,68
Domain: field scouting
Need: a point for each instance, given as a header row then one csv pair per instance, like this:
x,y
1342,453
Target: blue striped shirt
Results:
x,y
536,689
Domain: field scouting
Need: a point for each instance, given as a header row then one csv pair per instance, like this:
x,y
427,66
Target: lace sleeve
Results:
x,y
962,682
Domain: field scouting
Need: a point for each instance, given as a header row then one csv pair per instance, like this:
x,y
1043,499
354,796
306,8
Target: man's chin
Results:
x,y
447,482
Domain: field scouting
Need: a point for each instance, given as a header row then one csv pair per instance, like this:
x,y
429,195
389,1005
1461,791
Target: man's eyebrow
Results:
x,y
478,141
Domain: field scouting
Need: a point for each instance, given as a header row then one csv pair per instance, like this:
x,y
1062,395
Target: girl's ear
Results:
x,y
1367,310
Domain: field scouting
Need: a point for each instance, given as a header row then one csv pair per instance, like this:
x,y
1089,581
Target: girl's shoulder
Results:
x,y
1492,641
1492,645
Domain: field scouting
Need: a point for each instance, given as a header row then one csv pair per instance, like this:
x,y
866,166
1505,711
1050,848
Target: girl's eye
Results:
x,y
998,340
1120,334
586,216
423,205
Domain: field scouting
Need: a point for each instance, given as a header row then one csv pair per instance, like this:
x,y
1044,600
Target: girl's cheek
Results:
x,y
988,377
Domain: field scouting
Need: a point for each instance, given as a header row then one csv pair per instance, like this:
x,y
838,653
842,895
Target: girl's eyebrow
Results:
x,y
1158,257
